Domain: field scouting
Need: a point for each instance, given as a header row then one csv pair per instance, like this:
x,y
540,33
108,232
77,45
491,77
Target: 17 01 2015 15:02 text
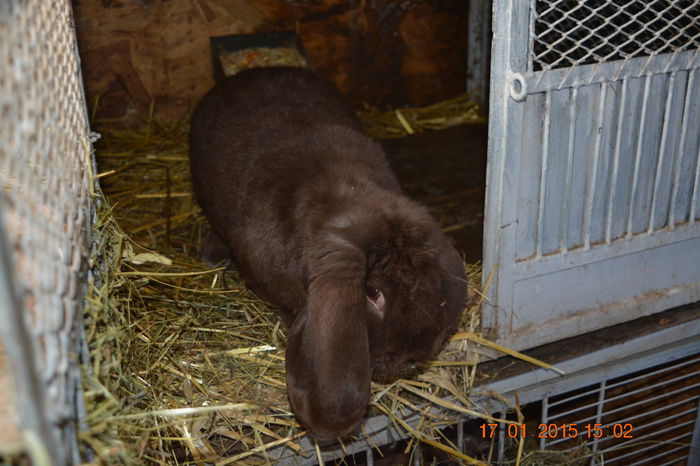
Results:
x,y
515,430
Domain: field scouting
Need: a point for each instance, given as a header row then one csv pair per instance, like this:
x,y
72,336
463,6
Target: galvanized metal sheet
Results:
x,y
592,191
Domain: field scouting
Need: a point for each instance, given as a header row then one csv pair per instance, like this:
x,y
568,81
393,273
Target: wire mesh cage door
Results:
x,y
594,176
45,174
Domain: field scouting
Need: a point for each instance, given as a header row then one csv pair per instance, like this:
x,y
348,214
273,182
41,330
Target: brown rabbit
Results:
x,y
308,209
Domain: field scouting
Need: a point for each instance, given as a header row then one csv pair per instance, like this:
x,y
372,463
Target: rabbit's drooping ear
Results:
x,y
327,360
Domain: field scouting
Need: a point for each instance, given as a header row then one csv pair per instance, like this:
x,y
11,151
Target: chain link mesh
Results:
x,y
574,32
44,174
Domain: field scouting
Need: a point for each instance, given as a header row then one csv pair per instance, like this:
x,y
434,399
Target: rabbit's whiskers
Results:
x,y
454,277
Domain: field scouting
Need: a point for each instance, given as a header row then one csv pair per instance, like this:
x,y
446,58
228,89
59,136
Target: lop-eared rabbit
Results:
x,y
309,211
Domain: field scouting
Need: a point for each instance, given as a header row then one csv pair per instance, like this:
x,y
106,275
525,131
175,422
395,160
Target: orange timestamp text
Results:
x,y
552,431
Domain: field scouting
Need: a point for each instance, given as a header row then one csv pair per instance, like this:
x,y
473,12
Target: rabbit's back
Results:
x,y
266,146
272,124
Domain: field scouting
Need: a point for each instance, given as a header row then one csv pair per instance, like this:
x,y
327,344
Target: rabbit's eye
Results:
x,y
376,299
373,293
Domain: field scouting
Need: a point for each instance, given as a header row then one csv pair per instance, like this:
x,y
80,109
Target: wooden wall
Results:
x,y
385,52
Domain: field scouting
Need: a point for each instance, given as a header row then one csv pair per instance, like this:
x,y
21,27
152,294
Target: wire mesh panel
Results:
x,y
44,173
572,32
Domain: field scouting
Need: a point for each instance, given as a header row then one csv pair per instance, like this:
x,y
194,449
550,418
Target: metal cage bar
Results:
x,y
593,171
543,173
662,153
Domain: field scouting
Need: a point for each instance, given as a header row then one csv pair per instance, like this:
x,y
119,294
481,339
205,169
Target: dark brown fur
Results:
x,y
312,216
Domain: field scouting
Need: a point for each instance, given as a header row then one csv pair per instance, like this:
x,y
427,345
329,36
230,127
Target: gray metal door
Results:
x,y
592,214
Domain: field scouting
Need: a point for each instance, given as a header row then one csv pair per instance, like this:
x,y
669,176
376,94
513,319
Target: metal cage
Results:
x,y
594,173
46,208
